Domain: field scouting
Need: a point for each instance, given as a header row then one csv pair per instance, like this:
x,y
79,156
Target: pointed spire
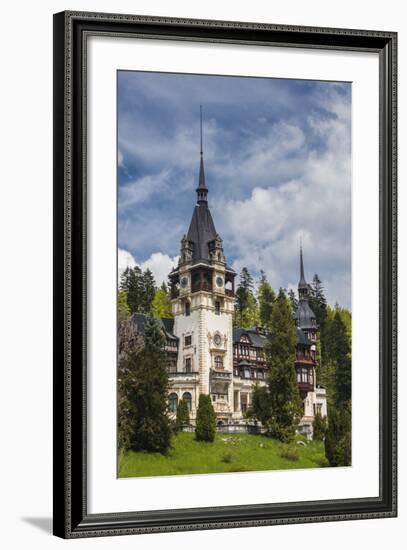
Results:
x,y
303,283
202,190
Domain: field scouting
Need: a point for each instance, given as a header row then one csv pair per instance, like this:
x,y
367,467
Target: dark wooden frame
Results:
x,y
71,519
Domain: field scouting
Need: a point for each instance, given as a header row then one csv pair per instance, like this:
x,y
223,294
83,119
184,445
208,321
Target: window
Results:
x,y
187,309
247,373
172,366
188,398
188,364
217,308
188,340
218,362
173,402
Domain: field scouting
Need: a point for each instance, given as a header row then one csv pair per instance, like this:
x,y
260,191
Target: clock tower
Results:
x,y
202,293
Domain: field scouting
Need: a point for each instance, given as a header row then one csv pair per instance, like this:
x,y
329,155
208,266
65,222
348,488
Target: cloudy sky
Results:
x,y
277,164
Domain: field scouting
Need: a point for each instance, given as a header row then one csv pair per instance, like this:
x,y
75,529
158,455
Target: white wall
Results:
x,y
25,299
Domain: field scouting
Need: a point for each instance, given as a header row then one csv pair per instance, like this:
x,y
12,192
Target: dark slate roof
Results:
x,y
167,325
259,340
304,314
302,338
303,282
201,231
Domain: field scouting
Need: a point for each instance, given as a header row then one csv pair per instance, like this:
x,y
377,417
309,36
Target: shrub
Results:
x,y
290,453
205,419
182,415
227,458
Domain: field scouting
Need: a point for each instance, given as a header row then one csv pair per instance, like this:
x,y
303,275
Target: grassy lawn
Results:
x,y
228,453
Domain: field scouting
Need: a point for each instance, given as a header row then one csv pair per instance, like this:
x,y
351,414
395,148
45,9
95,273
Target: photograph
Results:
x,y
234,295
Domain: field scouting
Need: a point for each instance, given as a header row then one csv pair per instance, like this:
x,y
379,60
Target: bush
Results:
x,y
227,458
319,427
205,419
182,415
290,453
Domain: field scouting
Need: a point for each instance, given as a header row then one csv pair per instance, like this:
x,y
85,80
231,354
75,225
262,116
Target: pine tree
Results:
x,y
338,353
266,298
161,304
319,427
318,302
123,308
143,388
279,408
133,284
182,414
293,300
148,291
338,437
246,308
205,419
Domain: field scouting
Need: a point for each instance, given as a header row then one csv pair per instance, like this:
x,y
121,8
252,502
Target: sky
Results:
x,y
277,157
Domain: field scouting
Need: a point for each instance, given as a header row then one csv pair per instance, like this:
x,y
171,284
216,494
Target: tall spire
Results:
x,y
202,190
303,283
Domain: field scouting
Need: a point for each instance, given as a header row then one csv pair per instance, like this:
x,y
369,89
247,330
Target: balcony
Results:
x,y
192,377
218,374
305,387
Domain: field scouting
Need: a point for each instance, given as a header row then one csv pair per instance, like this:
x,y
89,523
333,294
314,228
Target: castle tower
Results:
x,y
202,293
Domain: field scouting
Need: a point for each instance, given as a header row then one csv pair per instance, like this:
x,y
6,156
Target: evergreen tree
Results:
x,y
148,291
161,304
246,308
279,408
123,308
318,302
319,427
293,300
182,414
338,437
143,389
266,298
205,419
338,353
134,286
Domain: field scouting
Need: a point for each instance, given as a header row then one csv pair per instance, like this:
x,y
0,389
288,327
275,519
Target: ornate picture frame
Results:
x,y
71,33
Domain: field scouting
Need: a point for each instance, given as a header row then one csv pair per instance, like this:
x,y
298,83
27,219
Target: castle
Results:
x,y
205,353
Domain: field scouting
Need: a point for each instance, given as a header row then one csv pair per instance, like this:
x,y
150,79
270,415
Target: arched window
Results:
x,y
173,402
187,309
188,398
218,362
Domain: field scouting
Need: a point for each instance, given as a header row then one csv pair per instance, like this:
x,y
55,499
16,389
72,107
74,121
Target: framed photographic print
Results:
x,y
224,274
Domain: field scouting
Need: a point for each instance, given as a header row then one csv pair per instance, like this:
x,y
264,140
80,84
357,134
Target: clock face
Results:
x,y
219,281
184,282
217,339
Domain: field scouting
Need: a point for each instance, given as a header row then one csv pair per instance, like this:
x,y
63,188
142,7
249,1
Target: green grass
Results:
x,y
228,453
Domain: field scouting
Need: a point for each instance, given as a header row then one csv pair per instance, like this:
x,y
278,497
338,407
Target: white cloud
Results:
x,y
265,229
160,264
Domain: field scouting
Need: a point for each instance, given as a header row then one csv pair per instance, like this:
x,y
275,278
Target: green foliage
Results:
x,y
246,308
293,299
266,298
319,427
338,437
338,353
205,419
161,304
182,414
142,394
140,288
279,406
123,308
